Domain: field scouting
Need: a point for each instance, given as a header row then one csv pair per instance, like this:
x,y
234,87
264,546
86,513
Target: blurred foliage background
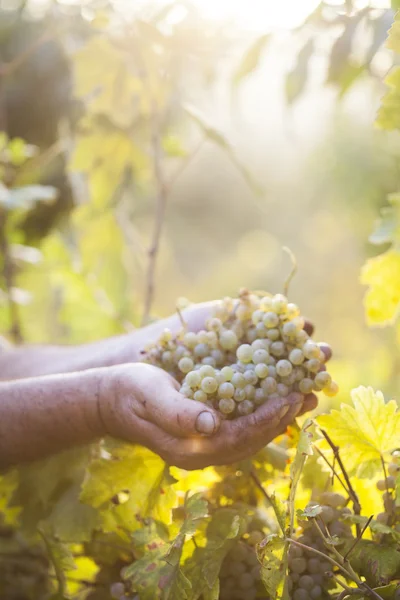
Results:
x,y
172,148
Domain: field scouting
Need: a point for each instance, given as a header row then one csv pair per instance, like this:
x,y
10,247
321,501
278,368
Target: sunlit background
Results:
x,y
299,120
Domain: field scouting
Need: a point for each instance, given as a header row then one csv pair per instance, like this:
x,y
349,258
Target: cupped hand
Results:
x,y
141,404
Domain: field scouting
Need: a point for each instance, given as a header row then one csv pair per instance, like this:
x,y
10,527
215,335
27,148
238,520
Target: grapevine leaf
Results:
x,y
226,526
387,592
281,512
71,520
272,553
304,450
382,300
389,114
378,563
251,59
374,525
387,229
220,140
364,432
309,512
296,79
212,594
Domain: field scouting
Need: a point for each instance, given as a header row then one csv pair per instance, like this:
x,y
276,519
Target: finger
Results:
x,y
182,417
309,404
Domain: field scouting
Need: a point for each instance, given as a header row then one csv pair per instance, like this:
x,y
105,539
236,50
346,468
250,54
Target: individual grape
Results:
x,y
271,320
209,385
271,370
332,389
166,336
239,395
295,551
200,396
256,571
273,335
245,408
227,406
261,370
251,335
382,518
206,371
239,552
238,380
306,385
289,380
201,350
322,379
202,336
167,358
282,390
259,397
316,592
391,482
381,485
301,338
306,582
283,368
245,353
237,568
260,356
257,316
226,390
255,537
228,340
298,565
227,373
185,364
393,469
312,365
311,350
269,385
277,349
117,590
190,339
289,329
246,580
186,391
212,339
292,310
243,312
214,324
193,379
179,353
279,303
296,356
250,376
301,594
250,391
313,565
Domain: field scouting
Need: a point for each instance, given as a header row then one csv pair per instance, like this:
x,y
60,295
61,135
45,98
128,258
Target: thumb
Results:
x,y
182,417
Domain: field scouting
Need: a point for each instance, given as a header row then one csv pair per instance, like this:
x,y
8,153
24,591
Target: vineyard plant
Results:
x,y
315,515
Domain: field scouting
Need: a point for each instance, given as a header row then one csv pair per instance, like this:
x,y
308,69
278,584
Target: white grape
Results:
x,y
239,395
218,356
313,365
261,331
269,385
190,339
185,364
209,385
246,407
200,396
259,345
284,368
271,320
245,353
193,379
261,370
257,316
227,373
332,389
202,336
201,350
260,356
186,391
206,371
226,390
311,350
250,376
228,340
289,329
250,391
214,324
259,396
266,303
306,385
296,356
273,335
292,310
209,360
282,389
251,335
279,303
226,405
278,349
322,379
238,380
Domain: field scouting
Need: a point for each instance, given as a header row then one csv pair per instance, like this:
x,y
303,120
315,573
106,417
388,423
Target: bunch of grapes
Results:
x,y
391,514
235,487
252,350
309,573
240,577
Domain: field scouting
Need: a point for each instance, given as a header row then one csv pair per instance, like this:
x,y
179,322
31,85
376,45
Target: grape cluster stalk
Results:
x,y
253,350
309,573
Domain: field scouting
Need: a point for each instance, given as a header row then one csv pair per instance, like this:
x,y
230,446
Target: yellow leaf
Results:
x,y
365,432
382,275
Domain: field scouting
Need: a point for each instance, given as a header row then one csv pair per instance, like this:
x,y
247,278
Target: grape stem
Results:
x,y
292,272
356,541
59,573
264,492
352,493
332,467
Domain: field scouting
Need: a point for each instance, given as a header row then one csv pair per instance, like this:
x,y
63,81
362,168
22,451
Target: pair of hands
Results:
x,y
141,403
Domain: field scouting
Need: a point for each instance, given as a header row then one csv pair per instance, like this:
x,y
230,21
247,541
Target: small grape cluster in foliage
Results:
x,y
252,350
309,573
391,513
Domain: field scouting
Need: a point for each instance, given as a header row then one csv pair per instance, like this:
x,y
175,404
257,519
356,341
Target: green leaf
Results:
x,y
382,276
220,140
365,432
375,526
387,229
309,512
273,553
281,511
212,594
72,521
378,563
251,59
303,451
296,79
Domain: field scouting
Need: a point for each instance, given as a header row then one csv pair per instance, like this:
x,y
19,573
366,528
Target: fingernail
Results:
x,y
284,410
205,423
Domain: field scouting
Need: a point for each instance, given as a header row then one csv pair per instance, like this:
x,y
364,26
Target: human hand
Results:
x,y
141,404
